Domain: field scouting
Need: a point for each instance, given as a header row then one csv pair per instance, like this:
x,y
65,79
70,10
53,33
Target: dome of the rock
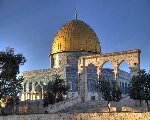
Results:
x,y
75,36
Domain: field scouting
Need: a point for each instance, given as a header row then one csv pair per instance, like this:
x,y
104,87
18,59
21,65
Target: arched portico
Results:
x,y
132,57
33,90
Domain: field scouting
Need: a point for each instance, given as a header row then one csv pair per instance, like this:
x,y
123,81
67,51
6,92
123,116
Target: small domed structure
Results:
x,y
75,36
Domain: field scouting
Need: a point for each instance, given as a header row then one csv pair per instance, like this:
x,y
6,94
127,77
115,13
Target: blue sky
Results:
x,y
29,26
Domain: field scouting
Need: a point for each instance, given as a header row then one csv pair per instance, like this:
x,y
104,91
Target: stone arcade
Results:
x,y
76,56
98,60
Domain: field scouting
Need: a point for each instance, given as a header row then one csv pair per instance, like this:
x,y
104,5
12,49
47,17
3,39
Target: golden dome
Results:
x,y
75,36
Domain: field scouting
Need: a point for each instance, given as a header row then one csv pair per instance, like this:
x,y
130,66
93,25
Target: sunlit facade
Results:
x,y
73,40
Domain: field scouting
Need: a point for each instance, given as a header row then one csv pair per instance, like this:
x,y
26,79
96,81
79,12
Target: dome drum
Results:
x,y
67,59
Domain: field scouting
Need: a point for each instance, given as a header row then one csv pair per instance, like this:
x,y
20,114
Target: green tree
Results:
x,y
10,83
109,90
140,87
55,90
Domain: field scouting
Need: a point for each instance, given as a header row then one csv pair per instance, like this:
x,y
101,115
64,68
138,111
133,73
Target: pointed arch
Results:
x,y
91,65
30,86
108,71
38,88
124,76
92,68
25,85
35,84
125,62
105,62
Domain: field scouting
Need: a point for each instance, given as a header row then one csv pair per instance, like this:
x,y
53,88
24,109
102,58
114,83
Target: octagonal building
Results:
x,y
73,40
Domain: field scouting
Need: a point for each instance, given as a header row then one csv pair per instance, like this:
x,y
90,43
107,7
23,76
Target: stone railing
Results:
x,y
64,104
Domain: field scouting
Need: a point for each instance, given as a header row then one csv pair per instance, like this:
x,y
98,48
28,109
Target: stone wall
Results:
x,y
80,116
30,107
36,106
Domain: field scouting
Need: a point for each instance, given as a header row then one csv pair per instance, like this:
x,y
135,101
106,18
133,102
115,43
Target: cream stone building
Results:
x,y
76,56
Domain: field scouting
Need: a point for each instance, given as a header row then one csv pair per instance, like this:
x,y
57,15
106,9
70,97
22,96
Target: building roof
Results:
x,y
75,36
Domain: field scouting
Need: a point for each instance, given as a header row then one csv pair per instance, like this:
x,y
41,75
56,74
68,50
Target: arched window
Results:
x,y
68,59
30,86
124,75
107,71
38,88
35,84
25,85
52,61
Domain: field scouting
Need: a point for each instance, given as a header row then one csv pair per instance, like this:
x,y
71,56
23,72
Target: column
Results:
x,y
33,87
42,93
23,97
85,86
26,96
33,96
81,73
116,73
27,87
99,72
